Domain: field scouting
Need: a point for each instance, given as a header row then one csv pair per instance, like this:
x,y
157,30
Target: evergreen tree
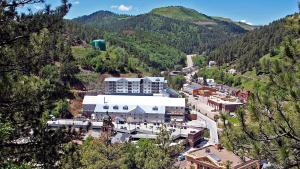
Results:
x,y
31,45
270,125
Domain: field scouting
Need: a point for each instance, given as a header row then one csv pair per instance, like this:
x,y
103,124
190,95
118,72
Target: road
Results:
x,y
212,126
189,60
201,107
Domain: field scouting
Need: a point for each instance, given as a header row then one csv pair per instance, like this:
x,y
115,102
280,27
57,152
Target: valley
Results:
x,y
149,85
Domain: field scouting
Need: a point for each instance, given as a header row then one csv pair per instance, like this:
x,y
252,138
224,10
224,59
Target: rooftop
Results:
x,y
152,79
218,156
193,86
134,100
225,101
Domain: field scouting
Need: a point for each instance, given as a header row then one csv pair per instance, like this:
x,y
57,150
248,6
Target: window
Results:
x,y
105,107
155,108
116,107
125,107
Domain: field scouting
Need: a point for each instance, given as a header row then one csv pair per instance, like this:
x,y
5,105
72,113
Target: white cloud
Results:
x,y
122,7
246,22
76,2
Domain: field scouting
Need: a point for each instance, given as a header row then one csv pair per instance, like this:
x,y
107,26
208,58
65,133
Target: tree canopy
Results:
x,y
269,126
36,69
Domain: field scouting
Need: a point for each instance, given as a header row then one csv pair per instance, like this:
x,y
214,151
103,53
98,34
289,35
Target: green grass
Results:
x,y
80,52
87,77
181,13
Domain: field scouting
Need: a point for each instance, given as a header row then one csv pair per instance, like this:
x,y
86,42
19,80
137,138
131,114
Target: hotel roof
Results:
x,y
152,79
134,100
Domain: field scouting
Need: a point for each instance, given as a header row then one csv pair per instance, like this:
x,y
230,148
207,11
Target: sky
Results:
x,y
257,12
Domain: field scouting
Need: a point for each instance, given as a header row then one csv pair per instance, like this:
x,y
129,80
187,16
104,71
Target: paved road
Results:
x,y
189,60
212,126
202,108
200,105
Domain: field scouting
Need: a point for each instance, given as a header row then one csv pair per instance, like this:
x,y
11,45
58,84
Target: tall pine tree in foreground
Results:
x,y
36,65
269,127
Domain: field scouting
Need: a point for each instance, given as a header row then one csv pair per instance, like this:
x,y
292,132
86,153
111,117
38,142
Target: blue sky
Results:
x,y
258,12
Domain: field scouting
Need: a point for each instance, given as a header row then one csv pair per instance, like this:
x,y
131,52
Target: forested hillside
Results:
x,y
144,49
246,51
188,33
268,126
37,68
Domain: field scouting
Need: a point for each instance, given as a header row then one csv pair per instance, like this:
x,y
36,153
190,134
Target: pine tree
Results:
x,y
270,125
31,45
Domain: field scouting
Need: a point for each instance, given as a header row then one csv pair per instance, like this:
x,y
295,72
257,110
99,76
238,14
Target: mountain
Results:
x,y
101,18
182,13
179,27
246,51
239,23
191,15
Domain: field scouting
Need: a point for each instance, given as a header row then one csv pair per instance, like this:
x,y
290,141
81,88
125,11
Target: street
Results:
x,y
200,108
189,60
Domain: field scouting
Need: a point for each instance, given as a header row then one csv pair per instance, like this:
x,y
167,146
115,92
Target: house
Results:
x,y
135,86
135,109
209,82
211,63
215,157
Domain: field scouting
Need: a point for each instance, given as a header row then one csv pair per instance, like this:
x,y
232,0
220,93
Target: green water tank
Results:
x,y
99,44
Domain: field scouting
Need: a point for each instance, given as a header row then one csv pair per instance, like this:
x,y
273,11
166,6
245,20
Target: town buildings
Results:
x,y
215,157
191,89
135,86
195,89
155,109
224,103
209,82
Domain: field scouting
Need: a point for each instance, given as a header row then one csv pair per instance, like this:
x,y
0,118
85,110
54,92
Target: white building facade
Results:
x,y
135,109
135,86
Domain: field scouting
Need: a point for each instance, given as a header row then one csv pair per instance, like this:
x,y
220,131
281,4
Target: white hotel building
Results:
x,y
135,86
135,108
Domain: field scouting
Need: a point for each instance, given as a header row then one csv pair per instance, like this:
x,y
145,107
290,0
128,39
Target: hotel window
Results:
x,y
116,107
105,107
125,107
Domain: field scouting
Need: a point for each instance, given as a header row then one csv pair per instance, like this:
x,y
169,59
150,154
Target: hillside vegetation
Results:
x,y
178,27
181,13
247,50
268,126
